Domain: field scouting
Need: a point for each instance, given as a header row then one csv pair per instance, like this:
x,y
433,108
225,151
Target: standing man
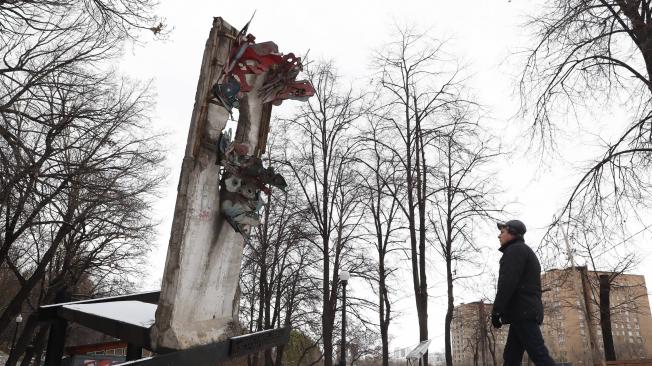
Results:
x,y
518,298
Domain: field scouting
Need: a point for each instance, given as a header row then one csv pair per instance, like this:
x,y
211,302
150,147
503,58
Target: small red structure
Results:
x,y
98,354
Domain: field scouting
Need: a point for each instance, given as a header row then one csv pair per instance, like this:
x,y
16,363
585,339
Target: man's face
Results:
x,y
504,236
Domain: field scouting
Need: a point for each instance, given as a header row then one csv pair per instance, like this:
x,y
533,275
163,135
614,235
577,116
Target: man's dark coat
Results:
x,y
519,284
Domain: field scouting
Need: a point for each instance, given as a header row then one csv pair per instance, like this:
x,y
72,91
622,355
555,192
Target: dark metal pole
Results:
x,y
343,348
56,343
57,337
134,352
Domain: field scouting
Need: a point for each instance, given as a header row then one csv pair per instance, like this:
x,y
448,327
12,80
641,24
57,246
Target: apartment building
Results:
x,y
568,296
474,342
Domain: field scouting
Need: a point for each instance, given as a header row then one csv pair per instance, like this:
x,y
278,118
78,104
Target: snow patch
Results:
x,y
133,312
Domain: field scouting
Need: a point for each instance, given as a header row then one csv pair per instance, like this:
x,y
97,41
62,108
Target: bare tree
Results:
x,y
475,336
362,344
596,53
272,270
492,343
78,169
420,85
588,53
322,162
276,290
600,250
103,177
49,82
378,172
301,350
465,199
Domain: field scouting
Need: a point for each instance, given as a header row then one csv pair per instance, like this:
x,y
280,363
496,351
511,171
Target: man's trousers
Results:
x,y
526,336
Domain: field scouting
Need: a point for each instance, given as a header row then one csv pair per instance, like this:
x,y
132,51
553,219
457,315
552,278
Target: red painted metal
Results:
x,y
250,58
97,347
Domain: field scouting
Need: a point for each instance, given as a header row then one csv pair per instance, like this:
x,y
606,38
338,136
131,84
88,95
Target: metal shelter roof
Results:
x,y
419,350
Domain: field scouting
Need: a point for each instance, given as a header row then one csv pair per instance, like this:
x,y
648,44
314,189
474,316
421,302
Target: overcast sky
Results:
x,y
485,35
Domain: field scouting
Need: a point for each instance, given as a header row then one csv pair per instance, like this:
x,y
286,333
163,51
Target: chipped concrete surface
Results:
x,y
199,288
199,293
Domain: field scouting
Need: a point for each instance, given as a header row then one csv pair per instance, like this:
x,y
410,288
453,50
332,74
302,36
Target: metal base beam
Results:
x,y
212,354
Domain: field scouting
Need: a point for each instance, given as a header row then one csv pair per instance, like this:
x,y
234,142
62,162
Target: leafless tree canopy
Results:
x,y
430,136
379,179
79,165
279,287
321,161
587,51
588,54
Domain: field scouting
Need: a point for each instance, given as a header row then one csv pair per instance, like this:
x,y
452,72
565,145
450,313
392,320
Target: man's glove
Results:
x,y
495,320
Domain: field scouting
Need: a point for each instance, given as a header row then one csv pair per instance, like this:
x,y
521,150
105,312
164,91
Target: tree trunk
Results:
x,y
605,319
595,351
385,344
268,358
328,315
14,306
25,338
483,332
492,350
415,255
279,355
36,351
383,312
327,330
449,314
421,168
422,309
